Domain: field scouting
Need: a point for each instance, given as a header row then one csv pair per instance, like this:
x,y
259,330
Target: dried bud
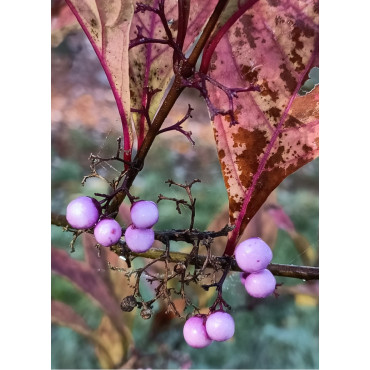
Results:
x,y
146,313
179,268
128,303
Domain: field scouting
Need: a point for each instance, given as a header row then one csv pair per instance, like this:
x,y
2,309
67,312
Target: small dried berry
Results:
x,y
128,303
179,268
146,313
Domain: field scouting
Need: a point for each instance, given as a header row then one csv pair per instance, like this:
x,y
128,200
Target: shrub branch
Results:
x,y
199,261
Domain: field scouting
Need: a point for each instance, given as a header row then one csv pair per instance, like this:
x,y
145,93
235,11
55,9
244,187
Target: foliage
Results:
x,y
248,60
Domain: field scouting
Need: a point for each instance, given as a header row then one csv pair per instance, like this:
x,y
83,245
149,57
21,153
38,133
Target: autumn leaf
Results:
x,y
87,280
263,225
272,46
306,251
107,25
113,347
64,315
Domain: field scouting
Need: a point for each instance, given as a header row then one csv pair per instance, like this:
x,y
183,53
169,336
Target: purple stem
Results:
x,y
177,126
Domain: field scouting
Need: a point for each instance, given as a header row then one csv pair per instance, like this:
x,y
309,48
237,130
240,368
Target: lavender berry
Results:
x,y
195,333
83,212
253,255
260,284
220,326
139,240
144,214
107,232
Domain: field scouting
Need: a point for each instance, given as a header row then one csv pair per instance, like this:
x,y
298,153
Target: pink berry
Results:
x,y
253,255
260,284
107,232
144,214
220,326
83,212
139,240
195,333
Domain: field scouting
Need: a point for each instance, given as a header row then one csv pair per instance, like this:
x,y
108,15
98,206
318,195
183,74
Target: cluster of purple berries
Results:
x,y
84,213
200,331
252,256
139,235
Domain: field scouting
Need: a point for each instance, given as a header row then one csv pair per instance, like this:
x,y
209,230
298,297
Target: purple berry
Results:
x,y
107,232
260,284
253,255
139,240
220,326
195,333
144,214
83,212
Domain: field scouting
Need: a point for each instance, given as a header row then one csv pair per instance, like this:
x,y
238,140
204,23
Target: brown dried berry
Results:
x,y
146,313
128,303
179,268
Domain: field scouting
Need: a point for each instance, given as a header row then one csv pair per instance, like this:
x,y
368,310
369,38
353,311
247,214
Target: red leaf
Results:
x,y
87,280
273,45
281,219
64,315
107,24
96,260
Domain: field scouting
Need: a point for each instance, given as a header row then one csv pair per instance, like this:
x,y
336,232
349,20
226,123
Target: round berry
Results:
x,y
220,326
83,212
107,232
139,240
195,333
260,284
253,255
144,214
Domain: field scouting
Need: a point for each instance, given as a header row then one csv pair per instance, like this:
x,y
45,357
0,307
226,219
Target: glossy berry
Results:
x,y
144,214
220,326
253,255
139,240
107,232
195,333
260,284
83,212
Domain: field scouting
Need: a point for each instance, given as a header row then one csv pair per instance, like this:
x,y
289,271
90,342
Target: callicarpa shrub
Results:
x,y
248,61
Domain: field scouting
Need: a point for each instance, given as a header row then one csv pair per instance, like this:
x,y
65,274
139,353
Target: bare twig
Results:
x,y
177,126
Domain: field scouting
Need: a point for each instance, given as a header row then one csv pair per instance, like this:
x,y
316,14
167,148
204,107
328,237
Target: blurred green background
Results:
x,y
278,332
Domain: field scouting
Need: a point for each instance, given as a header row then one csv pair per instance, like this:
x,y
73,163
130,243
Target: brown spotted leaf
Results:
x,y
262,225
107,25
273,45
